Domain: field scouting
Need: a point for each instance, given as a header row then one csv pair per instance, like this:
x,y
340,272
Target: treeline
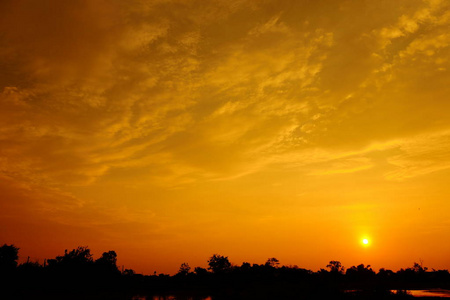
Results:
x,y
77,272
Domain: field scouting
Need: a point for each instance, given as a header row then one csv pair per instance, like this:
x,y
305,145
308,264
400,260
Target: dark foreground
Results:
x,y
182,296
76,275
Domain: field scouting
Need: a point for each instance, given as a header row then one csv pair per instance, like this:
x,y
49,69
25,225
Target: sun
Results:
x,y
365,241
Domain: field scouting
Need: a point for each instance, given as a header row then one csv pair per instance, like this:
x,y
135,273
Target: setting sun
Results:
x,y
365,242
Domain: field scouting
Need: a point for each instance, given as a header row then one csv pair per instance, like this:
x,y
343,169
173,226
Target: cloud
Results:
x,y
148,92
203,93
271,26
345,166
409,24
421,155
131,83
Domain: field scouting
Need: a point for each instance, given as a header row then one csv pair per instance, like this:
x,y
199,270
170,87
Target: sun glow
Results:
x,y
365,242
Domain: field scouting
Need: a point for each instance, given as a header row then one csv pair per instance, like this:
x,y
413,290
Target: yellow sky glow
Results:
x,y
171,130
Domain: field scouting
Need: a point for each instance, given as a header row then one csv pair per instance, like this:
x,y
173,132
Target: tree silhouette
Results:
x,y
360,273
109,258
74,268
272,262
107,263
218,263
8,257
199,271
385,272
246,266
76,273
184,269
418,269
76,257
336,267
129,272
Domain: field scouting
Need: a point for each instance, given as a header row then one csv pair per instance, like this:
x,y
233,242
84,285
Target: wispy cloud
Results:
x,y
421,155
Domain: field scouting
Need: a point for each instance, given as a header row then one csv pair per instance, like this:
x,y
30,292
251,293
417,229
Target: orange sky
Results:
x,y
171,130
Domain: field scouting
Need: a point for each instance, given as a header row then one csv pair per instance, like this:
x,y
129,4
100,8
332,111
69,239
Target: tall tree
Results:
x,y
184,269
108,262
336,267
8,257
272,262
218,263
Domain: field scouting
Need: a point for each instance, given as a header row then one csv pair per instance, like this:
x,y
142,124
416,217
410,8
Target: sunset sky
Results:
x,y
172,130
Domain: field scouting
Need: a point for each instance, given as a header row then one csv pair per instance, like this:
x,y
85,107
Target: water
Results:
x,y
429,293
416,293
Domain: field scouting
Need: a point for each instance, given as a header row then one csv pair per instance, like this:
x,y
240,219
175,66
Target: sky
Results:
x,y
172,130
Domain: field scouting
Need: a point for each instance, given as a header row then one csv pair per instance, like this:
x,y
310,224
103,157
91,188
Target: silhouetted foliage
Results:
x,y
246,266
385,275
128,272
336,267
361,275
184,269
77,273
200,271
107,263
76,258
418,269
272,262
8,257
218,263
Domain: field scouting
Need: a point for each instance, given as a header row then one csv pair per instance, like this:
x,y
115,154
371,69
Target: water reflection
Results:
x,y
427,293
